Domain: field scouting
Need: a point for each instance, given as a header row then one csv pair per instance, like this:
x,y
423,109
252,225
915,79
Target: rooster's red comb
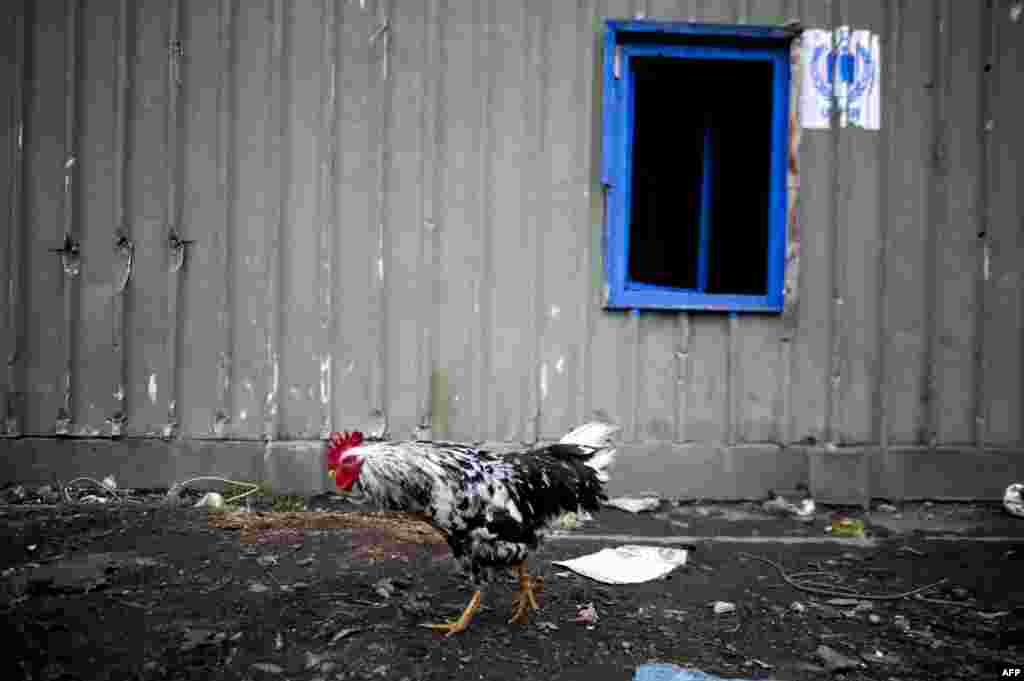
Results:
x,y
341,442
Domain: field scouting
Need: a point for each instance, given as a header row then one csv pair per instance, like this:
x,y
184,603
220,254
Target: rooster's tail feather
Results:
x,y
598,436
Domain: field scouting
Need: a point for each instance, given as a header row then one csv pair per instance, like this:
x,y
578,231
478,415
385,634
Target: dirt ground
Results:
x,y
143,591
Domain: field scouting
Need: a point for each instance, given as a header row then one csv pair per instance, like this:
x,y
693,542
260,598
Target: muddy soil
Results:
x,y
141,591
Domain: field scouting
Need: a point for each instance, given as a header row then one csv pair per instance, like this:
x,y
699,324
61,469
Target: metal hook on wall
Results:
x,y
178,246
70,256
125,249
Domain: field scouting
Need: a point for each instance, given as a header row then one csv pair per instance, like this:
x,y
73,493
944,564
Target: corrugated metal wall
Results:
x,y
394,205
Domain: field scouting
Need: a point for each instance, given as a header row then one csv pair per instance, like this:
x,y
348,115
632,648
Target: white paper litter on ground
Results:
x,y
627,564
633,504
1013,500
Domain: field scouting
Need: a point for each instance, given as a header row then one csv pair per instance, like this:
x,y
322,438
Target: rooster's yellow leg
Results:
x,y
455,626
526,600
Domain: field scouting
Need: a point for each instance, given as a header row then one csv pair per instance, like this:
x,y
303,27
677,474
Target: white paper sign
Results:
x,y
844,69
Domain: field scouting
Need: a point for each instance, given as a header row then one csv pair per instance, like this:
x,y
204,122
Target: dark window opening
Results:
x,y
701,172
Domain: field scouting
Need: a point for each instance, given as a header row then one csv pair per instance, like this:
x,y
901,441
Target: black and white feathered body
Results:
x,y
493,508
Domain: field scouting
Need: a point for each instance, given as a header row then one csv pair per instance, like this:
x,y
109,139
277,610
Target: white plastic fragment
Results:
x,y
635,504
210,499
723,607
630,564
1013,500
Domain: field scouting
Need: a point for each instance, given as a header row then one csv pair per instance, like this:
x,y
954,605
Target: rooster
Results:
x,y
492,508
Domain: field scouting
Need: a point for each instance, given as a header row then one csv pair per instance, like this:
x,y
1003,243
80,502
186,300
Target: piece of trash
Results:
x,y
267,560
779,505
210,499
1013,500
93,499
843,601
109,482
628,564
911,550
32,547
635,504
1016,10
878,657
670,672
836,661
547,626
797,606
874,619
344,633
384,588
279,641
571,520
723,607
846,527
992,615
886,508
258,588
586,614
305,561
268,667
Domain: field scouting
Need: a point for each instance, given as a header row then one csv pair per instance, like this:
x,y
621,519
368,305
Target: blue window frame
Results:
x,y
694,165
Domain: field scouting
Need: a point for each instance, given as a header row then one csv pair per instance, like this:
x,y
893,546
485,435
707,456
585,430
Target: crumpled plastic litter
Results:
x,y
846,527
635,504
630,564
778,505
1013,500
587,614
671,672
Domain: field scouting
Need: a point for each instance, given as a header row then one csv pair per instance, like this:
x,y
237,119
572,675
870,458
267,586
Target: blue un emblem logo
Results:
x,y
851,69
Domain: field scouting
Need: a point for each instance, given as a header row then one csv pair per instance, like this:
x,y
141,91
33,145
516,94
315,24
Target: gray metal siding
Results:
x,y
395,205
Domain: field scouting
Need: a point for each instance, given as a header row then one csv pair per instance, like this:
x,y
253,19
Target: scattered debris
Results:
x,y
843,526
628,564
344,633
267,560
672,672
878,657
635,504
384,588
802,582
211,500
835,661
1013,500
723,607
572,521
911,550
778,505
402,527
586,614
268,668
